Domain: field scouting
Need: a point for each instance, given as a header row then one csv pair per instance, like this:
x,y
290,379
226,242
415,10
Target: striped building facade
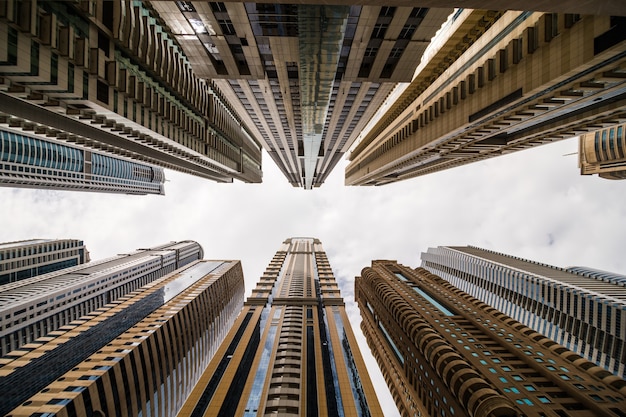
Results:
x,y
34,307
579,308
138,356
291,351
34,161
445,353
498,82
111,77
28,258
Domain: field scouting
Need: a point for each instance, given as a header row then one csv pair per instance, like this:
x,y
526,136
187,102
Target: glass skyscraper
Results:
x,y
291,351
29,160
580,308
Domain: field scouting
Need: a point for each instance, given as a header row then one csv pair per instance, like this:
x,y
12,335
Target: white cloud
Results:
x,y
533,204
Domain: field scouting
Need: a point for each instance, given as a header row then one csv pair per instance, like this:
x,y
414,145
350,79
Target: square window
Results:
x,y
543,399
530,388
517,378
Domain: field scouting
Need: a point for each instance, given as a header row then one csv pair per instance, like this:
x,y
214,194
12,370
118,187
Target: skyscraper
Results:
x,y
28,258
33,161
499,82
34,307
579,308
291,351
604,153
307,79
139,355
111,77
445,353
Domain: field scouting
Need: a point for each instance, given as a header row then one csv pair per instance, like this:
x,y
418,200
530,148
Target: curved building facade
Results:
x,y
36,306
27,160
579,308
138,356
445,353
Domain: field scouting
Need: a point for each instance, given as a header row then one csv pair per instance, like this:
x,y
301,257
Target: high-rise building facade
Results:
x,y
34,161
34,307
111,77
604,153
499,82
28,258
445,353
307,79
291,351
138,356
579,308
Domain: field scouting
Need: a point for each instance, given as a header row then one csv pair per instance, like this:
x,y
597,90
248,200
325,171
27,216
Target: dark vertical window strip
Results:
x,y
70,409
207,395
114,391
137,381
231,400
102,396
87,404
311,384
127,386
145,380
329,383
154,370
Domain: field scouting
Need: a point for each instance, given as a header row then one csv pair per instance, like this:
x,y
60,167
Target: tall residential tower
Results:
x,y
498,82
445,353
138,356
579,308
291,351
34,307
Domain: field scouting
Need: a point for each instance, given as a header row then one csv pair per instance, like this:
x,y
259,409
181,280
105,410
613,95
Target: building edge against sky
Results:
x,y
139,355
445,353
38,161
579,308
28,258
291,350
34,307
502,82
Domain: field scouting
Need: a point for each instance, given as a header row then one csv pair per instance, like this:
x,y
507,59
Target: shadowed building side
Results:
x,y
445,353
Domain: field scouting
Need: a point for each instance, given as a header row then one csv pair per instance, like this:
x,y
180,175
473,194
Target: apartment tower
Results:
x,y
579,308
110,76
34,307
445,353
140,355
28,258
35,161
291,351
306,78
498,82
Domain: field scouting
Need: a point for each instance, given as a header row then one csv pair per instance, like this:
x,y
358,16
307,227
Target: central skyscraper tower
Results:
x,y
291,351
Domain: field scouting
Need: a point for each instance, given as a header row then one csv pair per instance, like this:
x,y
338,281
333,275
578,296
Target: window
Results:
x,y
530,388
543,399
517,378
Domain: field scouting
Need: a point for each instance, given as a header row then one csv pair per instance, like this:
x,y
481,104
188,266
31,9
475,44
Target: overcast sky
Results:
x,y
533,204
